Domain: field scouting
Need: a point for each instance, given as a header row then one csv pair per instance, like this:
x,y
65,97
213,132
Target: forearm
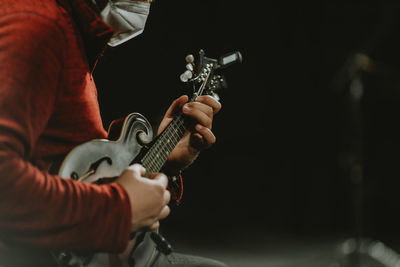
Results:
x,y
46,211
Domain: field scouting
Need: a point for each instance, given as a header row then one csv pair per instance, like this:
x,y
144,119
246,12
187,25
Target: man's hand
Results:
x,y
197,138
148,197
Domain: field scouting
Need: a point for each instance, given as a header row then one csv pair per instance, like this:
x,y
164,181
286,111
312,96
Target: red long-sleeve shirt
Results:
x,y
48,105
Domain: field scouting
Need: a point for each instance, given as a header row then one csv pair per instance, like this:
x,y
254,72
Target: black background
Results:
x,y
285,133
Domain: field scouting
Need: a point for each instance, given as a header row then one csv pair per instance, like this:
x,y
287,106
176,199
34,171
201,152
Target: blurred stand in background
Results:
x,y
360,250
364,81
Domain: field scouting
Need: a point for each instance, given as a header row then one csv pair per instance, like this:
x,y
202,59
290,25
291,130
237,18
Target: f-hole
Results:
x,y
92,169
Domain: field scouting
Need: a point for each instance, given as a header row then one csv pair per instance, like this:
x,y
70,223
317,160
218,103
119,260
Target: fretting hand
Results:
x,y
197,138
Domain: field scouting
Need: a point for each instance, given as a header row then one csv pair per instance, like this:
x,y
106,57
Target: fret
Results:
x,y
158,154
169,143
165,151
150,163
175,138
158,161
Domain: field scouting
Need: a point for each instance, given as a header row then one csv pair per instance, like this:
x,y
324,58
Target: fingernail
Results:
x,y
186,108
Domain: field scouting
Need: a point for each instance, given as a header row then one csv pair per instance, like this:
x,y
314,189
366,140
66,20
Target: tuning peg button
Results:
x,y
183,78
186,76
189,66
189,58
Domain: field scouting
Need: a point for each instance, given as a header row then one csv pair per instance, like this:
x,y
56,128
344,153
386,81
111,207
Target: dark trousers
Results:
x,y
182,260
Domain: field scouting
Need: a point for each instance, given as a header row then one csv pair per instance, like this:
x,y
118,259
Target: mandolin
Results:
x,y
131,141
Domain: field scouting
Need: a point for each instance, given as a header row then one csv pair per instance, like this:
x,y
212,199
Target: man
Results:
x,y
48,105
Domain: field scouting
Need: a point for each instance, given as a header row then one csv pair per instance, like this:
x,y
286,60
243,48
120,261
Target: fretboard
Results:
x,y
157,155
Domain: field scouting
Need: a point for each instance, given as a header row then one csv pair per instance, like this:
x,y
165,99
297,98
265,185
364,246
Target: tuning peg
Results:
x,y
189,59
189,66
186,76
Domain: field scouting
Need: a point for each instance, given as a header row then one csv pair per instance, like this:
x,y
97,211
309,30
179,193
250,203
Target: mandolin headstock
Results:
x,y
204,77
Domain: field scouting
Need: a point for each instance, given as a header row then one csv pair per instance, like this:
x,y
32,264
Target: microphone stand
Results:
x,y
354,159
359,250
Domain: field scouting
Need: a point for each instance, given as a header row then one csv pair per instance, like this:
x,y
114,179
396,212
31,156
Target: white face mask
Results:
x,y
126,17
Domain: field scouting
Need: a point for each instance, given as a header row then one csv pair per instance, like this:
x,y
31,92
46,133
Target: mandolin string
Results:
x,y
157,155
156,151
163,146
174,133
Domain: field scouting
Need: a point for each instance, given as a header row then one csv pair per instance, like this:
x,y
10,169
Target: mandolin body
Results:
x,y
103,158
95,161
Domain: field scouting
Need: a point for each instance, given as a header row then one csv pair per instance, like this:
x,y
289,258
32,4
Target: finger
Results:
x,y
201,113
159,178
155,226
164,212
152,175
137,168
210,101
176,106
208,110
167,197
207,136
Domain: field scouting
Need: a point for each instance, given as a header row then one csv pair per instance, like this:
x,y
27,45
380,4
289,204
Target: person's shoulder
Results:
x,y
47,9
40,21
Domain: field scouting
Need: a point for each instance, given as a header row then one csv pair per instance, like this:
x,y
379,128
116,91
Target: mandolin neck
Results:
x,y
156,156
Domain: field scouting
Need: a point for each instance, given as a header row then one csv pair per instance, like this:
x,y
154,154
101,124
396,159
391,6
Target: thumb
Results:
x,y
137,168
159,178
